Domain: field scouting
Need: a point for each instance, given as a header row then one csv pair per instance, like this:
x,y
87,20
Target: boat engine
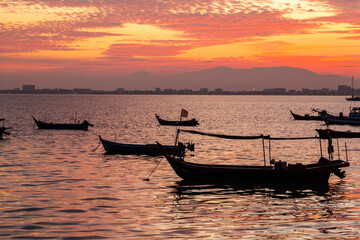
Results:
x,y
339,173
190,146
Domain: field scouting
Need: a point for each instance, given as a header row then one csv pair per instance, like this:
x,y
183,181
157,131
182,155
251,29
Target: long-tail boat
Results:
x,y
278,172
146,149
342,121
306,117
191,122
324,134
63,126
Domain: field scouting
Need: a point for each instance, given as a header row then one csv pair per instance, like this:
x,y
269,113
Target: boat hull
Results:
x,y
139,149
259,174
192,122
324,133
63,126
306,117
342,121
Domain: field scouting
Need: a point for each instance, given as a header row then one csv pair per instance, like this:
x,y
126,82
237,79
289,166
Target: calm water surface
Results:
x,y
60,185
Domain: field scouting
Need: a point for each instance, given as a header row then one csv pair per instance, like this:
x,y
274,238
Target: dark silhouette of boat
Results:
x,y
3,129
146,149
279,172
352,119
353,98
63,126
308,117
324,134
192,122
342,121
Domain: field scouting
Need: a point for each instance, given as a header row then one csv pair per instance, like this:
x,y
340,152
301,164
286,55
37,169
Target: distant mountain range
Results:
x,y
230,79
233,79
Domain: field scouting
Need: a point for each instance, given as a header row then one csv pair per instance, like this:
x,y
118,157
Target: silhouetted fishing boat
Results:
x,y
63,126
342,121
192,122
324,134
147,149
307,117
3,129
353,98
278,171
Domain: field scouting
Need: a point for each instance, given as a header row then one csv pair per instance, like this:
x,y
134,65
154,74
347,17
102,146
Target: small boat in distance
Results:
x,y
3,128
353,98
324,134
192,122
307,117
342,121
63,126
146,149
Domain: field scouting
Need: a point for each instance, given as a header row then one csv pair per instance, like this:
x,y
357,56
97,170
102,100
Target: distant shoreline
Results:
x,y
194,94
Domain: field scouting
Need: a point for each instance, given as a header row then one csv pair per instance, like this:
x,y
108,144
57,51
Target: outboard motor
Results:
x,y
339,173
190,146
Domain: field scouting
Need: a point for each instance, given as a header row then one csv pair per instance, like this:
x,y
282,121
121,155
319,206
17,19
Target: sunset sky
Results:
x,y
109,38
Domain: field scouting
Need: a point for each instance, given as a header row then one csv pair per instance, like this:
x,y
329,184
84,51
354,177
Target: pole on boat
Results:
x,y
320,147
177,135
347,160
184,114
263,143
338,147
269,149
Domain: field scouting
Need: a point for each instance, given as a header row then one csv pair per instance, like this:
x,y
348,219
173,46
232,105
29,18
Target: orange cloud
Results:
x,y
119,37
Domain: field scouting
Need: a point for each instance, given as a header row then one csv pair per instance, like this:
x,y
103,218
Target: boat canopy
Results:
x,y
247,137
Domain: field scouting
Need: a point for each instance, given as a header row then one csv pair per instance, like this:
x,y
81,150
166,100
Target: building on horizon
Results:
x,y
28,88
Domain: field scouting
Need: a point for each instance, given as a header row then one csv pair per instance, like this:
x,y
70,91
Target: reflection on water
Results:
x,y
185,188
58,185
256,212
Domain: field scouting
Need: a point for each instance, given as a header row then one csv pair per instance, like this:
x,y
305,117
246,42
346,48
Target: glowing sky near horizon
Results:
x,y
171,36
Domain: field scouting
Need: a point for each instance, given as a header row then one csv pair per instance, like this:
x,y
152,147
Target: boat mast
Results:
x,y
263,143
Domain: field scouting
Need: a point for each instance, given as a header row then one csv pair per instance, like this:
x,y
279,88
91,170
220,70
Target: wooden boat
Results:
x,y
192,122
353,98
138,149
324,134
63,126
307,117
352,119
342,121
280,172
3,129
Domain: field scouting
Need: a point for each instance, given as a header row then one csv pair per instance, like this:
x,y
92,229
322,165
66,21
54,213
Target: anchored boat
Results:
x,y
63,126
277,171
147,149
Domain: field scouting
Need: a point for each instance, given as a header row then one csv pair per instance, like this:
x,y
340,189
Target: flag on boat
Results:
x,y
184,113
